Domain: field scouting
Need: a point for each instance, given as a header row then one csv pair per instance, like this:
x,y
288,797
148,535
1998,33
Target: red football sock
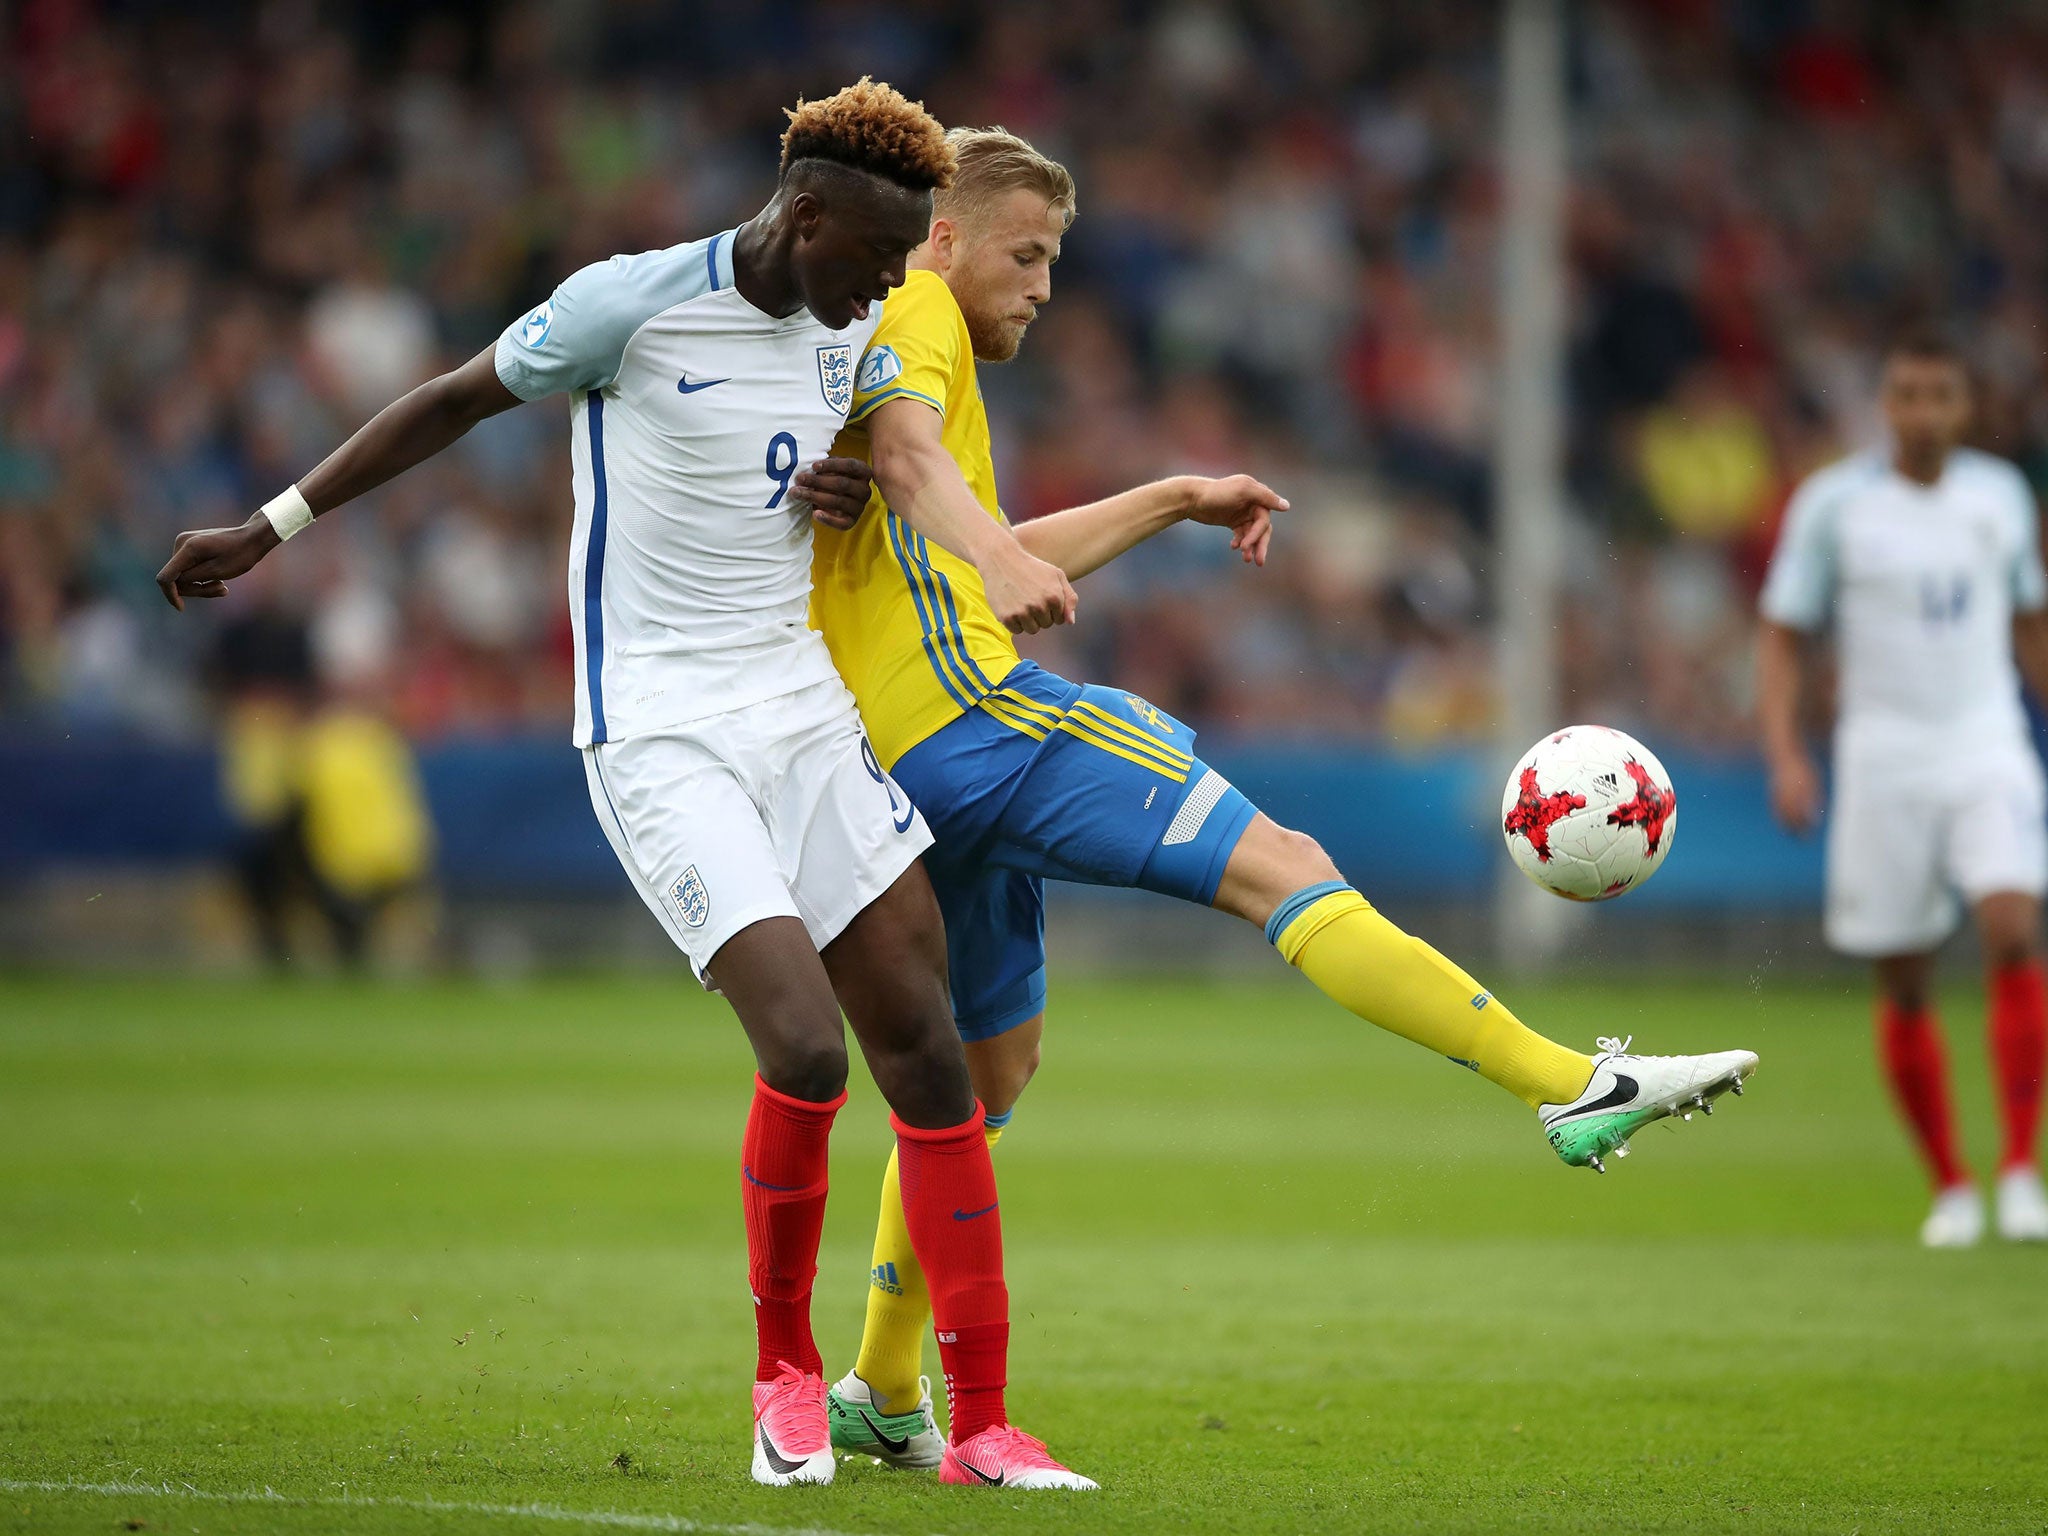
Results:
x,y
949,1205
1918,1068
782,1189
2019,1044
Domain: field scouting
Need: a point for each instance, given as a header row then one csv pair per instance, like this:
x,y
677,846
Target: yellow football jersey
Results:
x,y
368,831
908,624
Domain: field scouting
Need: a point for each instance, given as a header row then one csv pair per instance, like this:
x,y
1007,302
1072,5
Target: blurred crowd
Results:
x,y
229,233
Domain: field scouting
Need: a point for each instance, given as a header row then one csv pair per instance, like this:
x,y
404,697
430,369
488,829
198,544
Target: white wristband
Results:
x,y
288,513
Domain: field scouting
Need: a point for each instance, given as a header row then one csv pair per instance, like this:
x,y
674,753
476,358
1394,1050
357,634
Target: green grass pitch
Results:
x,y
455,1259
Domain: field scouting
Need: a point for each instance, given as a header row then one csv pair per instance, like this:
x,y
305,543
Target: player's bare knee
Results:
x,y
1909,1002
910,1015
1307,863
1013,1080
1003,1064
1000,1081
1906,982
1270,864
928,1090
2010,947
913,1052
804,1063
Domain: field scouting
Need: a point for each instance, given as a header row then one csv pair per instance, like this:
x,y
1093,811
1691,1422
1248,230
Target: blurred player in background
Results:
x,y
1025,775
724,757
1926,558
324,793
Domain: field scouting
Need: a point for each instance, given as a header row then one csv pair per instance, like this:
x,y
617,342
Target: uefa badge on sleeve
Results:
x,y
693,902
879,369
835,375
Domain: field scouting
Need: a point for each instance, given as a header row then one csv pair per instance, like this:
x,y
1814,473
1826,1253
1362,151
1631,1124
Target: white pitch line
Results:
x,y
615,1519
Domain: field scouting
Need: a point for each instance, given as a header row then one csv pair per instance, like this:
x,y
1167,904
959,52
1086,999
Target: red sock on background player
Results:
x,y
783,1166
1910,1046
949,1206
2019,1046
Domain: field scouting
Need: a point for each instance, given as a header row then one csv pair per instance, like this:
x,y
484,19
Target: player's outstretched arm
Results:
x,y
924,487
1086,538
2030,651
1795,781
409,431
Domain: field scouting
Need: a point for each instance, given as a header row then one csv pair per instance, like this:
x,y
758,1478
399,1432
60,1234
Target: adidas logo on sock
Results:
x,y
883,1278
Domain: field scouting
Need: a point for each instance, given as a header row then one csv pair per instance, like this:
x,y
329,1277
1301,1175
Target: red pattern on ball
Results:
x,y
1535,813
1650,808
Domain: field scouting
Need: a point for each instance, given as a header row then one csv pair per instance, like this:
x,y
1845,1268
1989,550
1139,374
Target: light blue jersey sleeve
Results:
x,y
576,340
1800,589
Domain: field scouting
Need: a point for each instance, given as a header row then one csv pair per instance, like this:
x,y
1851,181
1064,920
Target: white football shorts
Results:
x,y
1909,844
779,809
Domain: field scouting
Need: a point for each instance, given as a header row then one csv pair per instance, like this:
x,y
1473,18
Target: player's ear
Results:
x,y
941,242
806,213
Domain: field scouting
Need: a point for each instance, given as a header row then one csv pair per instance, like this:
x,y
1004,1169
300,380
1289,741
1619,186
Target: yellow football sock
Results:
x,y
1335,938
899,1306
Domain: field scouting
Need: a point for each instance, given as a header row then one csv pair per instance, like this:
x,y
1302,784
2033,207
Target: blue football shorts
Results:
x,y
1047,778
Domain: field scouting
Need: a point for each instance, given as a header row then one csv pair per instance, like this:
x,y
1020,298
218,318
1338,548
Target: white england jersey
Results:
x,y
1922,583
690,564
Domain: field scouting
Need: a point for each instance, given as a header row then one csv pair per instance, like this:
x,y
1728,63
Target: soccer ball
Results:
x,y
1588,813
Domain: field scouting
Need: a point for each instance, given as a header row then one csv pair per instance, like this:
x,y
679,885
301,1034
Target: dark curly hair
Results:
x,y
871,126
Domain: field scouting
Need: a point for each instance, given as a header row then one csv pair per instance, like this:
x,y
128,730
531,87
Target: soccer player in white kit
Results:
x,y
1926,558
725,759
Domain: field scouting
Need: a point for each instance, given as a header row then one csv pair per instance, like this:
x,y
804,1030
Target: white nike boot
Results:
x,y
2022,1206
1628,1092
1957,1220
903,1440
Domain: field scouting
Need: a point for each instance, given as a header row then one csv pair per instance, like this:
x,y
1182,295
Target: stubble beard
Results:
x,y
994,341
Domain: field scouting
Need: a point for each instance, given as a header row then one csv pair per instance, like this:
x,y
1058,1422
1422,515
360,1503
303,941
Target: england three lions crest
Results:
x,y
693,902
835,375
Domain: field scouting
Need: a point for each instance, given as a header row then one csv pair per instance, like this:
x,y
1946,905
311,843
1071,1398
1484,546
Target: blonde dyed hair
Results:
x,y
871,126
989,164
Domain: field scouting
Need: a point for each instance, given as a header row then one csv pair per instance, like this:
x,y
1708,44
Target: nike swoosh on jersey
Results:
x,y
896,1447
782,1464
970,1215
1624,1089
685,387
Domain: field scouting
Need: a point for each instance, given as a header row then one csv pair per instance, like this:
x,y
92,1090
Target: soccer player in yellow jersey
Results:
x,y
1023,775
